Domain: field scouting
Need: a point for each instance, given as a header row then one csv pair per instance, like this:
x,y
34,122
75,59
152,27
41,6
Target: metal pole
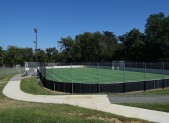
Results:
x,y
144,71
97,72
98,76
71,73
72,87
163,69
112,65
36,43
124,71
163,74
54,86
36,47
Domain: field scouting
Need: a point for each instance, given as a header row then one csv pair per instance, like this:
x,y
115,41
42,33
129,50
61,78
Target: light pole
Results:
x,y
36,43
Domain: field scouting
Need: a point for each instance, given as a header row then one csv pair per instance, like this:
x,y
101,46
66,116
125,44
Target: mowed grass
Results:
x,y
153,106
94,75
12,111
152,92
37,89
34,86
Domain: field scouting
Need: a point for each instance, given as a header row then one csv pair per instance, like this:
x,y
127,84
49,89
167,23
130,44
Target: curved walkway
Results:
x,y
98,102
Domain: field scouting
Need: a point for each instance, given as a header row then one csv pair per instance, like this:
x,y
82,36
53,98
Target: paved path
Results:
x,y
138,99
98,102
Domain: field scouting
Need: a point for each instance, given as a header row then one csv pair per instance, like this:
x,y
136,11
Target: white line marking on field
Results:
x,y
89,79
66,77
54,76
97,76
84,76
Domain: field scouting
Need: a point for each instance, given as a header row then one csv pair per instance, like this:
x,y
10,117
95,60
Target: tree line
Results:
x,y
15,55
150,45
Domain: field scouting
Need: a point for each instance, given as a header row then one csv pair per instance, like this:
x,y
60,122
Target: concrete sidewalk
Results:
x,y
139,99
98,102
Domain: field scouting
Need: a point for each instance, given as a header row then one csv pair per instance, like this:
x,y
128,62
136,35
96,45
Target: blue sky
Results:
x,y
61,18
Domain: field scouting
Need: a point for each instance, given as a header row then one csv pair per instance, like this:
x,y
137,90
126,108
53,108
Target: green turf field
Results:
x,y
94,75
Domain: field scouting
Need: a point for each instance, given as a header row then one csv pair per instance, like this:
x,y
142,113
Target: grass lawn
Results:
x,y
6,78
12,111
30,85
164,91
153,106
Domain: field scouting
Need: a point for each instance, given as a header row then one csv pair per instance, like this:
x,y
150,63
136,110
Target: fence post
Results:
x,y
163,69
72,87
89,88
124,77
71,78
54,86
124,90
144,64
52,72
58,86
163,75
123,71
98,77
144,85
97,72
112,65
71,72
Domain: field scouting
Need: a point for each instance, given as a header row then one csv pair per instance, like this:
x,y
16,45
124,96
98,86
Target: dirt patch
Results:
x,y
8,103
112,120
98,117
56,92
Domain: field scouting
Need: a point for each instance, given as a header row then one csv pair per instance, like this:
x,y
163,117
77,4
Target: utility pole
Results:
x,y
36,44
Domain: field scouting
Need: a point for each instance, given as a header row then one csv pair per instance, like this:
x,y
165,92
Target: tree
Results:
x,y
85,43
52,54
10,56
157,37
15,55
111,45
27,54
1,56
67,46
133,45
41,56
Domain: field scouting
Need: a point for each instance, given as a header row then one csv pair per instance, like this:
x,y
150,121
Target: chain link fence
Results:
x,y
98,77
32,69
5,70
